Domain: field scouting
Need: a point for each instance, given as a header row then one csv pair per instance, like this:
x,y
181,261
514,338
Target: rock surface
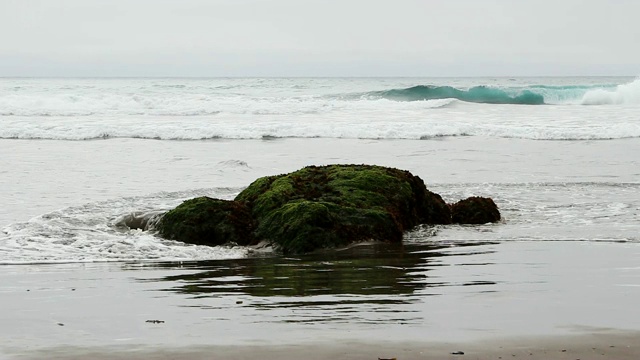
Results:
x,y
207,221
475,210
335,205
318,207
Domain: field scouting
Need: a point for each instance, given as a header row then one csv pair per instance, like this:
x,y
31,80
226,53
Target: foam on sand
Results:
x,y
98,232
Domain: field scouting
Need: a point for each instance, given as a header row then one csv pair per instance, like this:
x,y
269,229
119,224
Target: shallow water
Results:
x,y
57,208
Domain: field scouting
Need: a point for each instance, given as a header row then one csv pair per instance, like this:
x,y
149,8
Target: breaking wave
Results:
x,y
316,108
143,98
621,94
603,125
478,94
527,95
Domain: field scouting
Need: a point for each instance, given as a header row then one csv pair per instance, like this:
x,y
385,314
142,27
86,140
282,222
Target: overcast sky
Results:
x,y
319,37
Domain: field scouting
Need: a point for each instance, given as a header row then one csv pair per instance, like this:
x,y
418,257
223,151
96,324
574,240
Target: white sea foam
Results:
x,y
550,212
80,109
623,94
557,190
91,232
363,121
531,211
76,103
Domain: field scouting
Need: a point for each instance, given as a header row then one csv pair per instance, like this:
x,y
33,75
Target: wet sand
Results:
x,y
598,345
421,300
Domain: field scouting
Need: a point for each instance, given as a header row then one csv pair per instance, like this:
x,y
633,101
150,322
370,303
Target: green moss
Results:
x,y
207,221
312,208
299,226
334,205
266,194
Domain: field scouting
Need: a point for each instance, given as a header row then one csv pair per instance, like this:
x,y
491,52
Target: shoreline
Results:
x,y
604,344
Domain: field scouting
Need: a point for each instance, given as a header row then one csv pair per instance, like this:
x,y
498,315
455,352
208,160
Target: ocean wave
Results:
x,y
478,94
621,94
117,99
92,233
601,94
206,110
86,105
189,105
415,129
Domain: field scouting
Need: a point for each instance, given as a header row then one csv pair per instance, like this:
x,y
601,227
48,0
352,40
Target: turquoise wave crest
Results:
x,y
478,94
525,95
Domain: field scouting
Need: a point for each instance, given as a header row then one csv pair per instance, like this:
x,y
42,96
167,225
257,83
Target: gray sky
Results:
x,y
319,37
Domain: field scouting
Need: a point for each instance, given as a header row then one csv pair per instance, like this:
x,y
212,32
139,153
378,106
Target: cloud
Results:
x,y
317,38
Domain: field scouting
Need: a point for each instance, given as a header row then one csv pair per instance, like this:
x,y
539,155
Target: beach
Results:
x,y
522,299
556,278
595,346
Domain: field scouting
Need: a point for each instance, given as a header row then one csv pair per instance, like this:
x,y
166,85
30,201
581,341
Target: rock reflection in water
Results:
x,y
369,283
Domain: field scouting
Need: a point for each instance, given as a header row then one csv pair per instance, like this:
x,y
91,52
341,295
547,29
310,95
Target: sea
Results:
x,y
559,156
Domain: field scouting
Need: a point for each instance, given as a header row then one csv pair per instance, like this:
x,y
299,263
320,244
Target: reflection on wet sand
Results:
x,y
416,294
369,283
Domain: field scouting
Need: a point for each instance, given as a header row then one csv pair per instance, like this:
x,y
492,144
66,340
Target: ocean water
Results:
x,y
558,155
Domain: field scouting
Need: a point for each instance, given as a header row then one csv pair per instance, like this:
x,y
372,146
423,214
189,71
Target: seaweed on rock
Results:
x,y
312,208
207,221
335,205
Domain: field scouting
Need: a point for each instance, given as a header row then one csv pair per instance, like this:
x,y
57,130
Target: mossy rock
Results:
x,y
321,207
207,221
475,210
329,206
